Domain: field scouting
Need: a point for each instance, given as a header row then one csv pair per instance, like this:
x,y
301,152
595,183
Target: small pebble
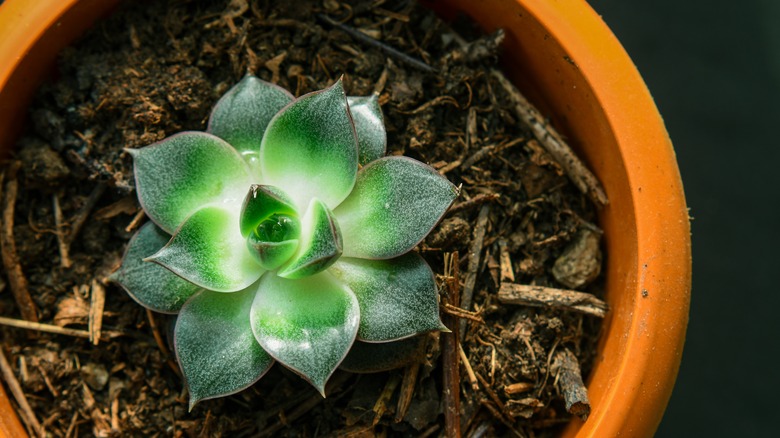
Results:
x,y
95,375
580,262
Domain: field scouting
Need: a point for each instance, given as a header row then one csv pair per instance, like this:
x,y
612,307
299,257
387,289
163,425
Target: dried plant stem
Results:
x,y
451,355
97,304
539,296
57,330
11,263
553,143
384,397
473,202
407,390
462,314
63,246
575,394
469,369
390,51
161,343
475,251
136,220
16,389
82,215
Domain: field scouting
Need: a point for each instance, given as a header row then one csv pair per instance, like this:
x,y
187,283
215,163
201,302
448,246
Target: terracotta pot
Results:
x,y
566,60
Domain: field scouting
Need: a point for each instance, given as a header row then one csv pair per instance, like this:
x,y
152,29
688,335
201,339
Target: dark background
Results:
x,y
713,68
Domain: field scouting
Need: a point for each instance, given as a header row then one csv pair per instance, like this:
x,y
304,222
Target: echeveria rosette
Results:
x,y
283,234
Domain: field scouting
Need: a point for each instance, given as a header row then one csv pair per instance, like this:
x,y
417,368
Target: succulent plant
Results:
x,y
282,234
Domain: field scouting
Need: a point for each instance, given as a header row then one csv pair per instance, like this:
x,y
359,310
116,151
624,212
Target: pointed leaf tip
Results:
x,y
369,126
241,115
308,325
310,148
208,250
398,297
177,176
215,346
150,284
320,244
394,205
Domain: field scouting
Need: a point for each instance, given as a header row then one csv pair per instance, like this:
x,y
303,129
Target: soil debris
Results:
x,y
95,365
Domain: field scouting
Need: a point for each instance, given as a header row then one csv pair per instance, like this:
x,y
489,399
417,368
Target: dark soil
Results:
x,y
156,68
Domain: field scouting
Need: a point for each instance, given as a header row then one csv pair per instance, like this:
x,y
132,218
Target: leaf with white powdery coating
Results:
x,y
260,203
310,148
241,115
209,250
398,297
215,346
177,176
308,325
320,243
151,285
370,127
394,205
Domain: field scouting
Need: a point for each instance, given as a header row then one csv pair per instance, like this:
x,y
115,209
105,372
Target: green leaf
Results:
x,y
308,325
398,297
271,255
177,176
375,357
395,204
215,346
310,148
320,243
260,203
151,285
241,115
209,250
370,127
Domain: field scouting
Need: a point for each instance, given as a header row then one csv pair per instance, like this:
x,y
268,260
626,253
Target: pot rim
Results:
x,y
648,288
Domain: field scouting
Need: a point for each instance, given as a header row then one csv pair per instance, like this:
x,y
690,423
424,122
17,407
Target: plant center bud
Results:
x,y
277,228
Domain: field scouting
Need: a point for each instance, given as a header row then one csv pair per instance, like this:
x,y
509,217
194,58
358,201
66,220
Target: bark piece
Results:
x,y
475,251
539,296
575,394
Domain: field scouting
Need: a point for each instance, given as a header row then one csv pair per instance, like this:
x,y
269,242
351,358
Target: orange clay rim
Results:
x,y
566,60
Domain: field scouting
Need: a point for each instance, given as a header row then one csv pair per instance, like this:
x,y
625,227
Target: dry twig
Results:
x,y
63,246
462,314
469,369
390,51
97,304
554,143
26,411
539,296
575,394
450,354
161,343
473,202
475,250
82,215
407,390
57,330
13,267
384,397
